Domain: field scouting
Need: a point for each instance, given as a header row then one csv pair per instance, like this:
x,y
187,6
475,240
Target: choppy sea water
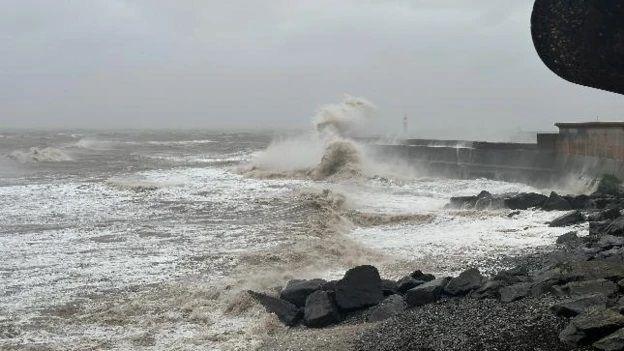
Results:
x,y
147,240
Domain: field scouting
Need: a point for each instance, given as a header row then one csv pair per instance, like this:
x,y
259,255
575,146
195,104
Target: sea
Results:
x,y
149,239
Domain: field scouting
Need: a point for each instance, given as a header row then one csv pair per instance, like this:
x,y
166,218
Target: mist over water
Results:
x,y
147,240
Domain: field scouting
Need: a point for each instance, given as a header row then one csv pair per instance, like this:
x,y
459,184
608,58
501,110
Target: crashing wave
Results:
x,y
35,154
344,119
342,159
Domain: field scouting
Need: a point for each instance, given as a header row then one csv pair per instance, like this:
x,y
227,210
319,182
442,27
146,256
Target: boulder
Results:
x,y
609,184
588,287
567,219
556,203
407,283
360,287
567,238
512,276
598,227
591,326
616,227
418,275
609,214
466,282
580,202
320,310
580,305
609,241
515,292
463,201
525,201
389,307
589,270
287,313
426,293
611,342
489,290
297,291
389,287
513,214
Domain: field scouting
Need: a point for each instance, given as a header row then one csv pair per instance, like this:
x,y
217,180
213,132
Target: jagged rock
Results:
x,y
389,287
556,203
612,342
608,241
320,310
545,280
598,227
609,214
512,276
589,270
389,307
567,238
614,254
580,202
297,291
525,201
513,214
418,275
330,285
567,219
463,201
591,326
287,313
580,305
360,287
426,293
466,282
616,227
489,290
515,292
407,283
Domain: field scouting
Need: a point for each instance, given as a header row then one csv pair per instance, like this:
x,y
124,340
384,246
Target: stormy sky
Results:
x,y
451,65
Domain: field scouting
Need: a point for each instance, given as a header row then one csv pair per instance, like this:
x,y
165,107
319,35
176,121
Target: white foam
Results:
x,y
36,154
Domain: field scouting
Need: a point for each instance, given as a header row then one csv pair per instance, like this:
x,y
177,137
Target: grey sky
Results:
x,y
465,64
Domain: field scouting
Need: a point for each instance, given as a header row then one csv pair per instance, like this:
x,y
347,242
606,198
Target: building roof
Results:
x,y
591,125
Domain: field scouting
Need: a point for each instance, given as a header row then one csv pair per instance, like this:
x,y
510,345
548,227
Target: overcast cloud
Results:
x,y
449,64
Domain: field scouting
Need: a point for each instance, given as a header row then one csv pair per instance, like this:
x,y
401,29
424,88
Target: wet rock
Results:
x,y
426,293
616,227
330,285
512,276
463,201
591,326
609,241
515,292
389,307
609,214
612,342
567,219
360,287
567,238
418,275
407,283
466,282
389,287
489,290
513,214
589,287
598,227
320,310
297,291
525,201
580,202
580,305
556,203
590,270
287,313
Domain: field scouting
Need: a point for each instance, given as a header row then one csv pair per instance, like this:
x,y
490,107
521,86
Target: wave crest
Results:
x,y
36,154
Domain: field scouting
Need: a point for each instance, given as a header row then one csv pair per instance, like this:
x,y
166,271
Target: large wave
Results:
x,y
36,154
327,151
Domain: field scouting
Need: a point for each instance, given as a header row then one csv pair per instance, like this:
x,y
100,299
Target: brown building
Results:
x,y
593,139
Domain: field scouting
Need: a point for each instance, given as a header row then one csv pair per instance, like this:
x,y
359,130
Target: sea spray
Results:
x,y
36,154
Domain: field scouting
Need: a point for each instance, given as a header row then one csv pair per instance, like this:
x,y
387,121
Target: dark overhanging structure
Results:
x,y
582,41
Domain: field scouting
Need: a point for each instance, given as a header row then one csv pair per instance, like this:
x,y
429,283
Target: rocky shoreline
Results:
x,y
571,298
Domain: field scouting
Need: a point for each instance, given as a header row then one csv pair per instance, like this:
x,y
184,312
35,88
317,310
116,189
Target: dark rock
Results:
x,y
556,203
515,292
608,241
418,275
466,282
580,305
598,227
426,293
297,291
360,287
330,285
525,201
389,287
389,307
287,313
567,219
616,227
609,184
612,342
567,238
489,290
609,214
589,270
580,202
407,283
463,201
513,214
320,310
591,326
512,276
